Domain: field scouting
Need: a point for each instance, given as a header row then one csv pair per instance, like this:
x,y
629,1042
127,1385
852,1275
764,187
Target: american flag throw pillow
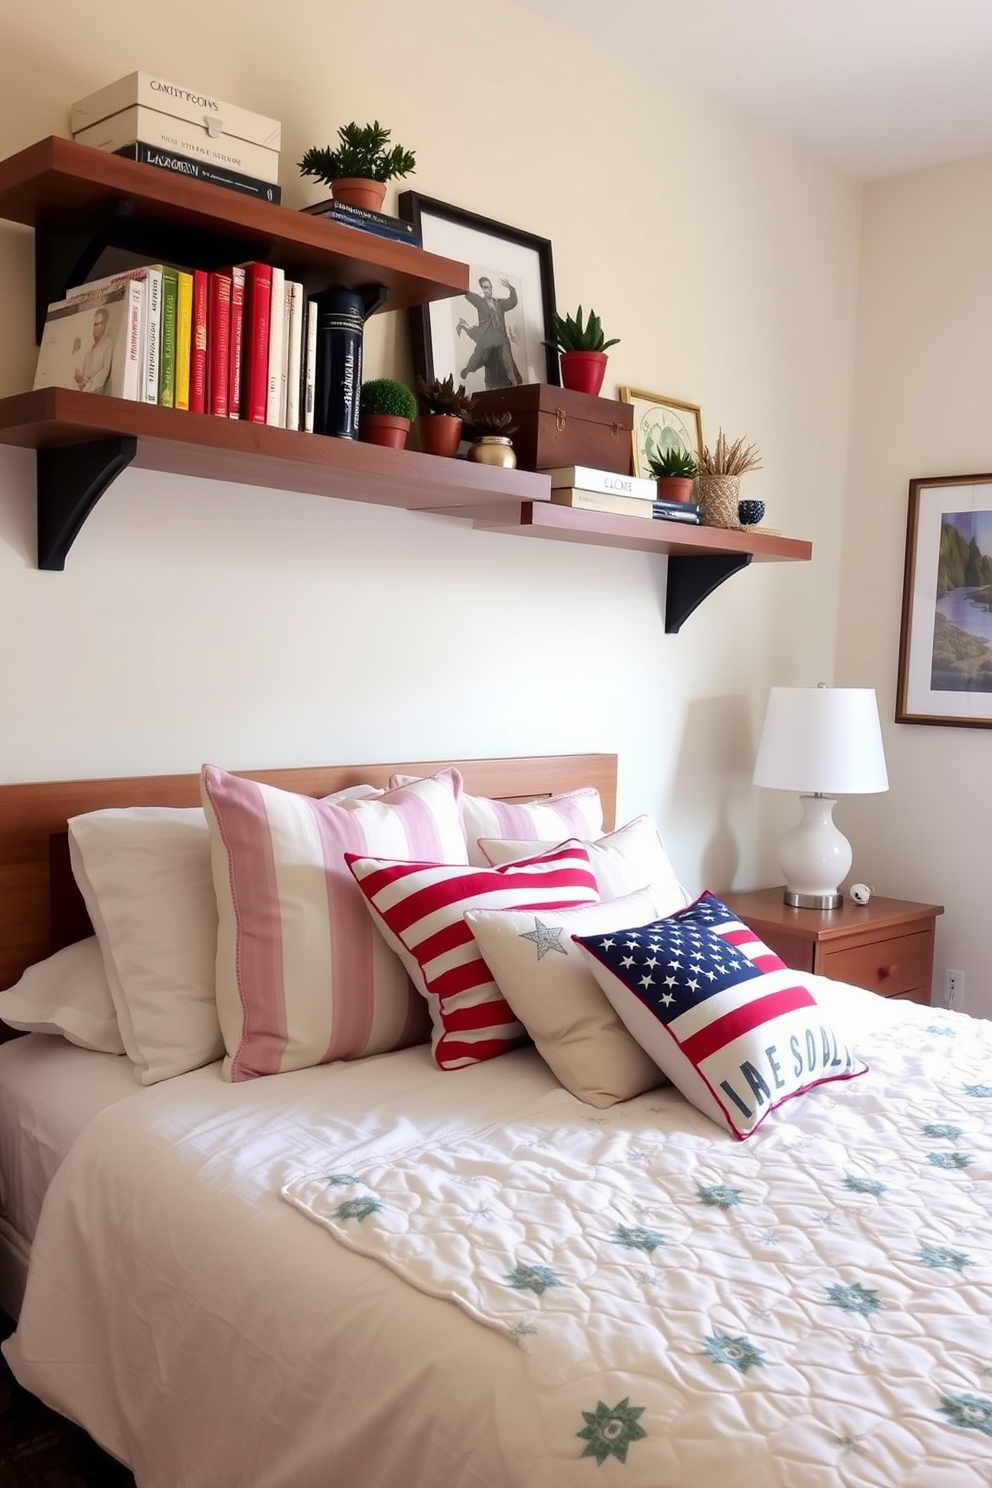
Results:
x,y
420,910
730,1025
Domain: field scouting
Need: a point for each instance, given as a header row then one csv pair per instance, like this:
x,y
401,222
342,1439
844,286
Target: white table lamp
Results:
x,y
824,742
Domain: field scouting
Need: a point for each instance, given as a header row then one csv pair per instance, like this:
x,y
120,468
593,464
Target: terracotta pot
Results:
x,y
440,433
583,371
359,192
674,487
384,428
493,449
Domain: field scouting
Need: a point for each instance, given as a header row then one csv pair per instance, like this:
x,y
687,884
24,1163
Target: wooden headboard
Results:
x,y
37,891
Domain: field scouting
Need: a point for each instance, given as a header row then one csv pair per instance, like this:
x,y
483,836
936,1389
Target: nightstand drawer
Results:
x,y
903,963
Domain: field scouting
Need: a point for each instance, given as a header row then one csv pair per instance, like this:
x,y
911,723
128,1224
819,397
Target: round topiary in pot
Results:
x,y
387,409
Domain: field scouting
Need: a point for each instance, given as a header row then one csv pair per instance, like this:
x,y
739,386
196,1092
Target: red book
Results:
x,y
255,347
218,343
237,339
198,349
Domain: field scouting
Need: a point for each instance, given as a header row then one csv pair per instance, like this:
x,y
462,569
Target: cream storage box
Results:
x,y
145,107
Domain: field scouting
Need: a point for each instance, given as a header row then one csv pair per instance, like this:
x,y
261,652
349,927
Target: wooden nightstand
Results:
x,y
885,945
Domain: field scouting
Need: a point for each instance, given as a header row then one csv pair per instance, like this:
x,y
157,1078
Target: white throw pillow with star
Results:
x,y
542,974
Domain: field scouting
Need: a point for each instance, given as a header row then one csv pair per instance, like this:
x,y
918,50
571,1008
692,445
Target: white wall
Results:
x,y
921,408
199,621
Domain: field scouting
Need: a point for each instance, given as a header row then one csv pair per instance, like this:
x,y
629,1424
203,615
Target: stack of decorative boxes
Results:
x,y
183,131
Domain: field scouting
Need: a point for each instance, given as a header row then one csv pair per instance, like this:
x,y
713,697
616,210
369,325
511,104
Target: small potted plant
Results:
x,y
387,409
444,409
674,469
358,169
719,479
582,351
492,432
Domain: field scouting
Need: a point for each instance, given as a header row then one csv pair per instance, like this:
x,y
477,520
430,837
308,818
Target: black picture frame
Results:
x,y
945,639
495,252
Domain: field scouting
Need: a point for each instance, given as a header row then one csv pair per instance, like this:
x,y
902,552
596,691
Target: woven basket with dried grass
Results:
x,y
718,484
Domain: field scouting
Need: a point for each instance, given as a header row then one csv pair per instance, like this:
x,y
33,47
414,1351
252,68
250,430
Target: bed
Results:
x,y
380,1271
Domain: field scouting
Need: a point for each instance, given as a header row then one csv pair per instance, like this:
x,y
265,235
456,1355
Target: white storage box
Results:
x,y
145,107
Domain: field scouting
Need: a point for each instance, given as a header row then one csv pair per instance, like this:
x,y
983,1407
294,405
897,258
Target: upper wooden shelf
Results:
x,y
55,181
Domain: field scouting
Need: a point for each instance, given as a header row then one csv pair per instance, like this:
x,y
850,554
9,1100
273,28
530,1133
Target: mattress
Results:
x,y
49,1090
807,1309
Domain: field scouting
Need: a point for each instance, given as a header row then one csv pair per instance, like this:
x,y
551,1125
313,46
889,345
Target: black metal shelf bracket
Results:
x,y
71,478
691,580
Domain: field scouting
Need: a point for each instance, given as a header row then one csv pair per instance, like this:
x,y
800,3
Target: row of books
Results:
x,y
236,342
587,489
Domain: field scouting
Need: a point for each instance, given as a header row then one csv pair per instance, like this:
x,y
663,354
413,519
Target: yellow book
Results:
x,y
184,337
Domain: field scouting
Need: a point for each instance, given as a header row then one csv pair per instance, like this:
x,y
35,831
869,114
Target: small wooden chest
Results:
x,y
556,426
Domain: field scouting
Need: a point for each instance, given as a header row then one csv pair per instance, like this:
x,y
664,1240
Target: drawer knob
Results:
x,y
884,972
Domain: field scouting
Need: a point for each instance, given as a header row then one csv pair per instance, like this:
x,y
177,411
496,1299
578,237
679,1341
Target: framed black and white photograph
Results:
x,y
660,424
493,336
945,643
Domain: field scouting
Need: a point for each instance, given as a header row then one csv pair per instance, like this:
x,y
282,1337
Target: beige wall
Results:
x,y
921,408
197,621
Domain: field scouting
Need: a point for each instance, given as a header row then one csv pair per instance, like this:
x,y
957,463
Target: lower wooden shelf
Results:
x,y
699,558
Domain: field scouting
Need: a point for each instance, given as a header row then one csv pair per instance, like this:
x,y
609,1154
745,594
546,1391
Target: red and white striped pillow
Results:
x,y
302,977
420,909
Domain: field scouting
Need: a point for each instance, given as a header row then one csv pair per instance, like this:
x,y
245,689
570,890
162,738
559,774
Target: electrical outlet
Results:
x,y
954,988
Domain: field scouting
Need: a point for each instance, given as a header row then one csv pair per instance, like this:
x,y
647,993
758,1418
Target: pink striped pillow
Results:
x,y
302,978
420,909
577,813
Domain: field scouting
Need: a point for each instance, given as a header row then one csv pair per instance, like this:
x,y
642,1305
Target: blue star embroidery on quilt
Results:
x,y
855,1298
357,1209
536,1279
969,1411
609,1431
637,1237
741,1353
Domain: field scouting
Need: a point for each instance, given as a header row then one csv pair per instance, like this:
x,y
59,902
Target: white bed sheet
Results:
x,y
208,1334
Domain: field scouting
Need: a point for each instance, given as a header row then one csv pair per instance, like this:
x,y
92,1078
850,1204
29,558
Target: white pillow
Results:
x,y
543,976
623,861
66,994
146,878
577,813
144,874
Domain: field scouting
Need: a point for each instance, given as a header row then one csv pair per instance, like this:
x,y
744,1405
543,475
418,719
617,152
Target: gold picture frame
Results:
x,y
660,420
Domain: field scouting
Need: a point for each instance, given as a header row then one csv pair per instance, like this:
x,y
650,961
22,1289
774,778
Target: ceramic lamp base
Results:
x,y
815,857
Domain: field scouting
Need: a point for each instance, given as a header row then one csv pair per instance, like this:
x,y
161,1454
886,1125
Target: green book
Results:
x,y
167,339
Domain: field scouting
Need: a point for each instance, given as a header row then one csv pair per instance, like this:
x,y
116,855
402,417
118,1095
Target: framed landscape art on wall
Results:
x,y
662,423
494,335
945,645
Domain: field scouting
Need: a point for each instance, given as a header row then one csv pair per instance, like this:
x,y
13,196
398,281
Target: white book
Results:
x,y
295,354
277,343
182,137
624,506
94,286
92,341
607,481
287,302
310,366
153,330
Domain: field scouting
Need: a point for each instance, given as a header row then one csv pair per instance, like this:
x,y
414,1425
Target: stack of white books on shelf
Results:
x,y
184,131
587,489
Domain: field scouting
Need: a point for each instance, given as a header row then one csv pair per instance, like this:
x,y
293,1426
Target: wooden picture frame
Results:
x,y
659,420
945,641
457,337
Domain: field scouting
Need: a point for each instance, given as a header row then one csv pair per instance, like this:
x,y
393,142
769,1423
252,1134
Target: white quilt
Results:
x,y
809,1309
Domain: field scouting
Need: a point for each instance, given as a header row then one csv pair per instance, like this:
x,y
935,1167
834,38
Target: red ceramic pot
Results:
x,y
384,428
357,191
440,433
674,487
583,371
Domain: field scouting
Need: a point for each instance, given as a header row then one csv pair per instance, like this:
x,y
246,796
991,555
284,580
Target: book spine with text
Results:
x,y
679,511
622,506
309,366
198,345
277,345
200,170
362,217
255,380
153,331
133,384
396,232
167,340
294,339
184,336
237,273
584,478
218,343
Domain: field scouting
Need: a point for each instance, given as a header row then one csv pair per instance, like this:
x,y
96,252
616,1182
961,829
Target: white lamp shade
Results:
x,y
824,740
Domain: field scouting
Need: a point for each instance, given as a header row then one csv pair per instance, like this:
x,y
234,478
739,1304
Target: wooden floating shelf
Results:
x,y
55,181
